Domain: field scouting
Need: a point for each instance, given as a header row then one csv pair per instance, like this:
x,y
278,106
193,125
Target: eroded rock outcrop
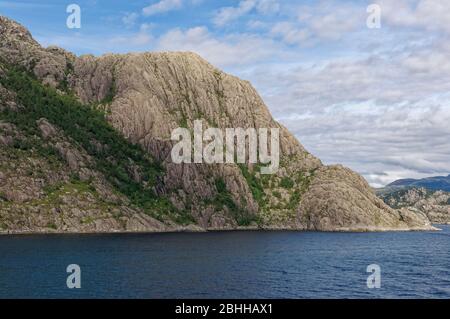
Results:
x,y
339,199
432,203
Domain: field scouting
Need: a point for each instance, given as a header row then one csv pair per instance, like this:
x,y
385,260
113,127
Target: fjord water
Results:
x,y
227,265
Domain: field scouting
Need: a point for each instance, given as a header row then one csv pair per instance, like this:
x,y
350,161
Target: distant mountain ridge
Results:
x,y
431,183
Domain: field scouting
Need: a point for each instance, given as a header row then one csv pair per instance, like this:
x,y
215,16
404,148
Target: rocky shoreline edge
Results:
x,y
196,229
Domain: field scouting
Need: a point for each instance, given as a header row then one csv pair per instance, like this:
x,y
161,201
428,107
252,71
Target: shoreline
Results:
x,y
222,230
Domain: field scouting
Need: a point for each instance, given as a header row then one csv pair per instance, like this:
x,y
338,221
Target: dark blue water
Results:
x,y
227,265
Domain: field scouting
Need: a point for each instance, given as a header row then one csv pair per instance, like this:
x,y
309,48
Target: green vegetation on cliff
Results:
x,y
254,183
119,160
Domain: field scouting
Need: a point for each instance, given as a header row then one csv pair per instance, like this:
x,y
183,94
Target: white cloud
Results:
x,y
228,14
232,50
256,25
290,33
426,14
385,116
332,22
162,6
130,19
325,20
141,38
308,25
384,142
268,6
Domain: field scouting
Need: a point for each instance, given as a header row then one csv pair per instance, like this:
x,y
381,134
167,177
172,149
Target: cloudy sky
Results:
x,y
373,99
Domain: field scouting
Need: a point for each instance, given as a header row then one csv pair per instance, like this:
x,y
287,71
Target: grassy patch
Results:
x,y
110,94
287,183
254,183
277,194
52,226
223,197
87,220
295,199
49,189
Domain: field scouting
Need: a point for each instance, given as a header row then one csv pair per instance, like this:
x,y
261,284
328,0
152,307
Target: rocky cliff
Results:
x,y
78,136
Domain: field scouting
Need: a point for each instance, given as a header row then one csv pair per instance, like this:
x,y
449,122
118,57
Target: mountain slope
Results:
x,y
144,97
432,183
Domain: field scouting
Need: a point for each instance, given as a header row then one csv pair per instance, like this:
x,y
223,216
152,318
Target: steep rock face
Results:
x,y
155,93
146,96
